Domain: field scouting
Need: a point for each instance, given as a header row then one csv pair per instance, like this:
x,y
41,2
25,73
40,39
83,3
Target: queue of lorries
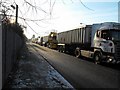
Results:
x,y
100,41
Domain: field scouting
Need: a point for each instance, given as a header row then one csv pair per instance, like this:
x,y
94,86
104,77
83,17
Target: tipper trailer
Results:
x,y
101,42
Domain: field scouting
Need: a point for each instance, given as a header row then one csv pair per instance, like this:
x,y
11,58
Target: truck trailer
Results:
x,y
101,42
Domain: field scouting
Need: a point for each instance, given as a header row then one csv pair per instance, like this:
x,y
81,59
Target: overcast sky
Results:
x,y
66,14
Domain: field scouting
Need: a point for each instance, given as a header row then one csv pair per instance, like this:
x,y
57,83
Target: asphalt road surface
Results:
x,y
80,73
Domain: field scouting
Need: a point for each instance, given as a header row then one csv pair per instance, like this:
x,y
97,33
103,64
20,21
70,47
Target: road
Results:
x,y
80,73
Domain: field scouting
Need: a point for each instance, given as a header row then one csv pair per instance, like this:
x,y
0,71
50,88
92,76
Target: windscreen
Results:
x,y
111,34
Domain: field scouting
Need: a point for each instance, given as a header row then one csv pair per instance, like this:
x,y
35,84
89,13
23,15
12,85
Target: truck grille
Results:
x,y
117,51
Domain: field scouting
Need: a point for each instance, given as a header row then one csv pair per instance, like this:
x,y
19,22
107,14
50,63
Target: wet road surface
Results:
x,y
80,73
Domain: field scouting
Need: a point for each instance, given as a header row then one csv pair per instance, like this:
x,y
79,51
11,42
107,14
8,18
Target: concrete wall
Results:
x,y
11,45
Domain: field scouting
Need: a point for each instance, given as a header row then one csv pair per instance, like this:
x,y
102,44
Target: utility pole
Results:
x,y
16,20
16,16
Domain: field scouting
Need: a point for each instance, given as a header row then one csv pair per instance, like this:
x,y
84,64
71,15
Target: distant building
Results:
x,y
119,11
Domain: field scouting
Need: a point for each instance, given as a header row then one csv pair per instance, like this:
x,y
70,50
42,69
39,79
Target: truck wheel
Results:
x,y
77,52
58,49
61,49
97,58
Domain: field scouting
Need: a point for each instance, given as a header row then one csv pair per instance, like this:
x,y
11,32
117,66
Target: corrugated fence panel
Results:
x,y
11,44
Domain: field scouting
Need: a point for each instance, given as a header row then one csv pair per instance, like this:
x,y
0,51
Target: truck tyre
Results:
x,y
61,49
58,49
77,52
97,58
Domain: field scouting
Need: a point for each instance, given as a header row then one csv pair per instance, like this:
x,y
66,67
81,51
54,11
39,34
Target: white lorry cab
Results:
x,y
101,42
106,41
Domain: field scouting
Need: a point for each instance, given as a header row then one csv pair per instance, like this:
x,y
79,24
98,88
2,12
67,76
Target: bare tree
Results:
x,y
32,7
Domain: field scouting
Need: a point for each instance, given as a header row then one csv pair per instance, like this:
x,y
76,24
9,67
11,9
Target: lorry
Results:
x,y
100,41
49,41
43,40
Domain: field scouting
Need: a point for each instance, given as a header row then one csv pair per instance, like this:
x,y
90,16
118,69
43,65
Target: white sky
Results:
x,y
66,15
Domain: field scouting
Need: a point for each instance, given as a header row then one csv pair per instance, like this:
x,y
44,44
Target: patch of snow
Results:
x,y
35,72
